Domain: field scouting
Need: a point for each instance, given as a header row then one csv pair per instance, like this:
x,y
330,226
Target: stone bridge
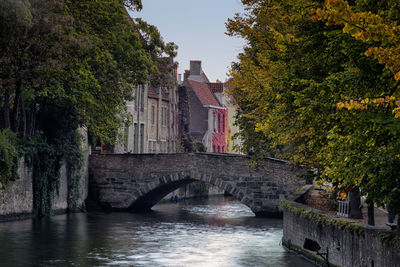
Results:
x,y
137,182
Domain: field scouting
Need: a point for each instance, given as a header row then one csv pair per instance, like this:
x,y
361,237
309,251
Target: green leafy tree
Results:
x,y
67,64
287,83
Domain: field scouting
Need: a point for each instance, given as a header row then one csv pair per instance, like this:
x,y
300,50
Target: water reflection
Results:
x,y
214,232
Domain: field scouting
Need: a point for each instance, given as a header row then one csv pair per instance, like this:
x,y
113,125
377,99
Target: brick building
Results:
x,y
208,116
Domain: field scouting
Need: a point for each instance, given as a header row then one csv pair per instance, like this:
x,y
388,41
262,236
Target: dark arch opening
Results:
x,y
147,201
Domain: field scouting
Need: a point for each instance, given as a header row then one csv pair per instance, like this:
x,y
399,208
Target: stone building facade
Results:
x,y
162,127
153,126
134,134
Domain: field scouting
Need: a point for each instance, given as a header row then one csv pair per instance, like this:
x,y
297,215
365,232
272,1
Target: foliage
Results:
x,y
9,156
63,65
367,27
323,219
289,78
199,147
184,120
46,152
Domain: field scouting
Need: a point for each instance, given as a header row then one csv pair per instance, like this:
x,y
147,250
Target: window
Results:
x,y
164,116
219,123
223,123
153,115
141,138
216,126
141,98
135,138
126,135
168,117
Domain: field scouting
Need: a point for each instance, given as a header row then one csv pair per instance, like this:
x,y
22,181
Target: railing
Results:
x,y
343,207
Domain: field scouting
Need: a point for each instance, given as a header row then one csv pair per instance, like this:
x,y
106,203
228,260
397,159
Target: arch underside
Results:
x,y
150,198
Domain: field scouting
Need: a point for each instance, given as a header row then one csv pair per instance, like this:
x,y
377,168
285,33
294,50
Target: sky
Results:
x,y
198,28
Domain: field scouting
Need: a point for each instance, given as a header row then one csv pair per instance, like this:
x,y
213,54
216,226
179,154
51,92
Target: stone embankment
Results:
x,y
16,201
344,242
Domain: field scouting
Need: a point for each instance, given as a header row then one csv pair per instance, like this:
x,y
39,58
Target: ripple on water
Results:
x,y
221,233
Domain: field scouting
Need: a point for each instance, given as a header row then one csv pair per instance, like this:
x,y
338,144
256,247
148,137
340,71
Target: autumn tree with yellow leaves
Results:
x,y
303,63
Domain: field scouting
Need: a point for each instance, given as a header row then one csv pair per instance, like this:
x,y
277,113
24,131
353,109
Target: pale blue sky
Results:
x,y
197,27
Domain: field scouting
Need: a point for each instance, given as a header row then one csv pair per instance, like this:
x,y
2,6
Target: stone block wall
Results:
x,y
16,200
139,181
349,244
60,200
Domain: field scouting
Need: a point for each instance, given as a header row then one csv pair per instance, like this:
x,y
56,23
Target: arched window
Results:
x,y
223,123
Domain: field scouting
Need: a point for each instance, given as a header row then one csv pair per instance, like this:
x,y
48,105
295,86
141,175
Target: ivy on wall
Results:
x,y
9,155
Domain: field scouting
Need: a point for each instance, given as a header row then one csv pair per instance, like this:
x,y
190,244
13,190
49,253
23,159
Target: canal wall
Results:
x,y
16,201
347,243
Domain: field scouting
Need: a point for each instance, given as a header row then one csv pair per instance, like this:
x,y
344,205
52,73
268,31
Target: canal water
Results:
x,y
207,232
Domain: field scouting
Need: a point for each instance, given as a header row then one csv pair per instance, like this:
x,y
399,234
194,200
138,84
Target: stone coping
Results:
x,y
298,197
191,153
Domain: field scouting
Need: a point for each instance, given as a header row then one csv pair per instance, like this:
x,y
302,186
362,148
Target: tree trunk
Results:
x,y
30,124
6,109
355,204
16,108
23,117
371,214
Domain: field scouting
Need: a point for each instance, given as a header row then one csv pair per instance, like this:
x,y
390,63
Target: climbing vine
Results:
x,y
184,118
9,151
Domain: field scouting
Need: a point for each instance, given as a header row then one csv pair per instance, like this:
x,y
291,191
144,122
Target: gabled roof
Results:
x,y
203,93
204,76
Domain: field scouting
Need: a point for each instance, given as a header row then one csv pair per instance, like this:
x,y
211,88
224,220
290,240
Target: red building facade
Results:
x,y
219,135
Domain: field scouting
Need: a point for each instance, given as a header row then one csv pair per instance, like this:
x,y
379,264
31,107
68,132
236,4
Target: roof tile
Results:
x,y
203,93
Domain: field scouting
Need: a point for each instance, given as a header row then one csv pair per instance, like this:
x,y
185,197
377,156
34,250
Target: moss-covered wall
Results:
x,y
16,201
348,243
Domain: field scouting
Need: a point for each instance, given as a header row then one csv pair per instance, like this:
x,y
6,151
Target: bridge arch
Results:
x,y
155,192
139,181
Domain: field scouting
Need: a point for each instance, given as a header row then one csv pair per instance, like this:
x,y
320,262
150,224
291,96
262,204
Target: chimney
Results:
x,y
186,75
195,67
